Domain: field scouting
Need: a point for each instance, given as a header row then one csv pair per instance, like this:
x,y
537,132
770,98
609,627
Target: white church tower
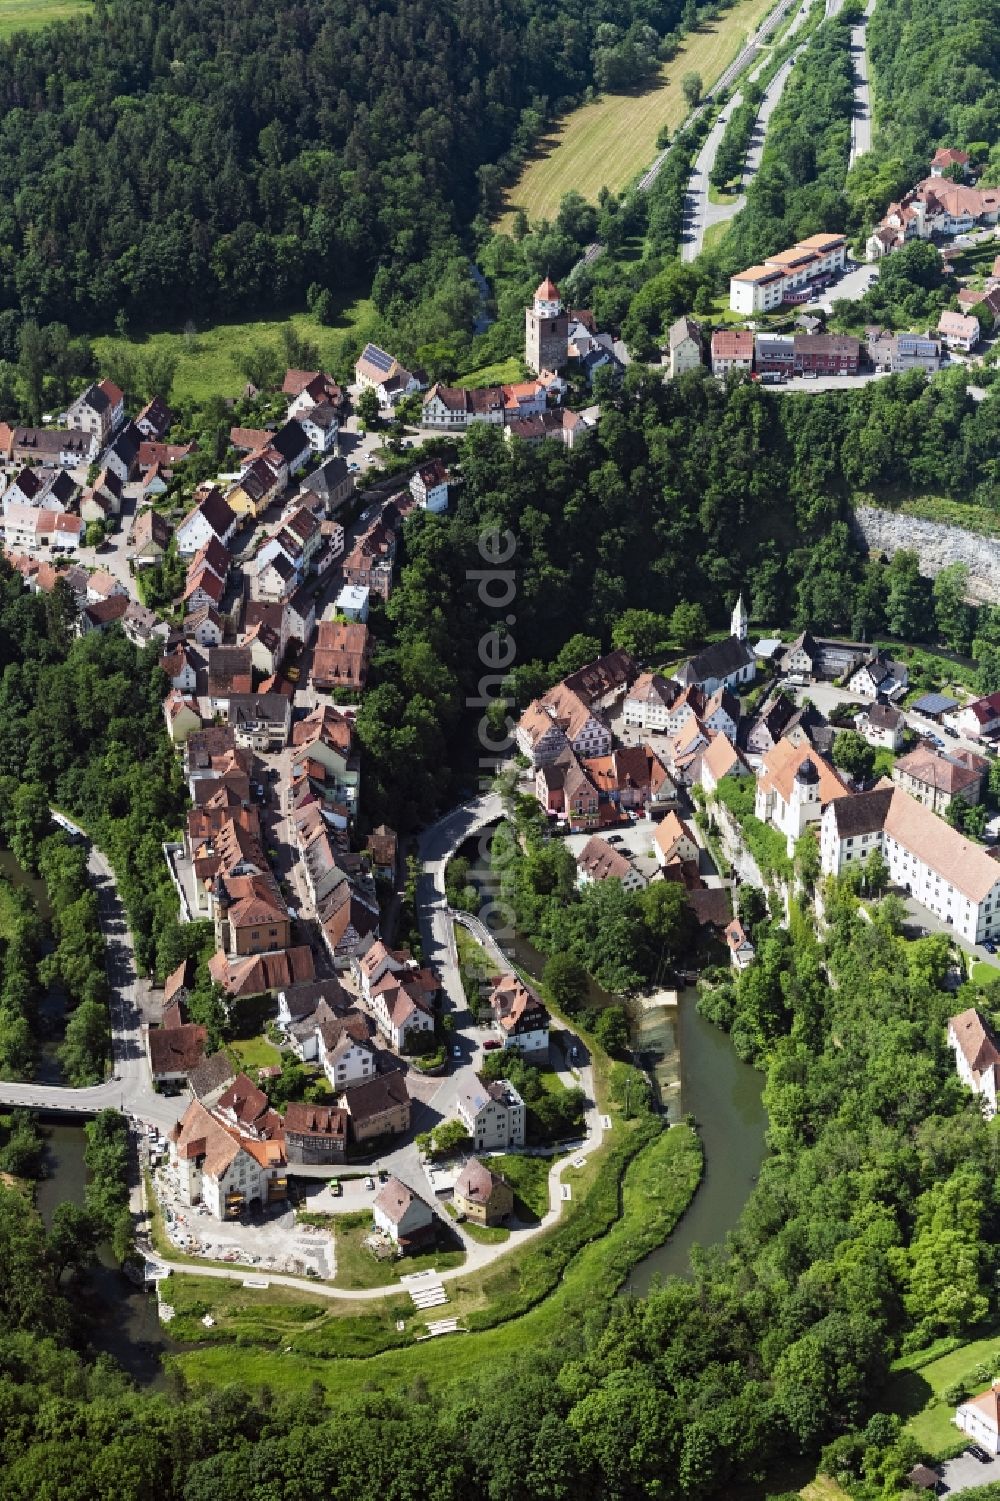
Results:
x,y
739,622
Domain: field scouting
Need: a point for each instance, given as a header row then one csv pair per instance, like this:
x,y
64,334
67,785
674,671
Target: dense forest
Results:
x,y
164,161
688,493
870,1232
81,725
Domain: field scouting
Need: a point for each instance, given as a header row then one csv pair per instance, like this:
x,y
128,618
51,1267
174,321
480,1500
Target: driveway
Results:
x,y
965,1472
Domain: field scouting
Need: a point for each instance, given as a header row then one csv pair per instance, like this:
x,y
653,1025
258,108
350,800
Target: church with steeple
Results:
x,y
739,621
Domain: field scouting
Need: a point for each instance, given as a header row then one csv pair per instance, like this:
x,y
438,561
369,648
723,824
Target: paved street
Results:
x,y
699,211
966,1472
861,119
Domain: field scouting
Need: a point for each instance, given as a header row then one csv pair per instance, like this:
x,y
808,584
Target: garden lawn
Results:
x,y
529,1178
32,15
253,1053
609,142
507,372
358,1268
984,973
916,1392
205,358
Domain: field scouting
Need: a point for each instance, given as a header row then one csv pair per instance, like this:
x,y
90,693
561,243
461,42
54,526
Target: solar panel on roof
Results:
x,y
377,357
935,703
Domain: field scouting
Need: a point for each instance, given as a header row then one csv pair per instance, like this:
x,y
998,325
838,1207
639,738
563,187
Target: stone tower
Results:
x,y
805,804
546,330
739,622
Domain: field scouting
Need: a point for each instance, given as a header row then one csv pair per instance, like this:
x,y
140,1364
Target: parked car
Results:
x,y
456,1051
335,1188
989,945
978,1453
490,1044
293,674
370,1184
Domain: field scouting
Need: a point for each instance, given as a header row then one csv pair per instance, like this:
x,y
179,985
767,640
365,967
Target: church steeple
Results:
x,y
739,622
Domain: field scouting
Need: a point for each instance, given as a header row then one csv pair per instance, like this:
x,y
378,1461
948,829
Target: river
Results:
x,y
724,1097
697,1073
124,1321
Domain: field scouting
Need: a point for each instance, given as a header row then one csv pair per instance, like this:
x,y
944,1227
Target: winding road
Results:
x,y
725,80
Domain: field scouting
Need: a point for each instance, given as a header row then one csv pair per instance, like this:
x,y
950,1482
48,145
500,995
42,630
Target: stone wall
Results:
x,y
936,545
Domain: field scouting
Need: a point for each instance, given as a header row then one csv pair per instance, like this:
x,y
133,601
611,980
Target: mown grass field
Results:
x,y
205,358
605,144
31,15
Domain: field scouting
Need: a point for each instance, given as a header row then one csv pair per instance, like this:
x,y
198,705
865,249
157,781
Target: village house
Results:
x,y
881,725
261,974
99,411
305,388
979,719
741,950
977,1056
939,778
685,347
261,721
876,675
155,420
325,737
378,1107
429,486
348,917
979,1419
732,349
315,1134
142,626
321,425
222,1168
149,538
673,840
181,716
102,615
344,1057
258,486
380,372
332,484
174,1050
648,702
959,331
561,719
492,1112
633,777
210,517
29,528
204,626
402,1215
719,760
600,861
181,667
52,448
519,1016
341,656
382,848
953,878
566,427
566,793
482,1196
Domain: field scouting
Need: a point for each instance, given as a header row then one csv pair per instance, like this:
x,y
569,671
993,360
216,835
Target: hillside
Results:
x,y
161,159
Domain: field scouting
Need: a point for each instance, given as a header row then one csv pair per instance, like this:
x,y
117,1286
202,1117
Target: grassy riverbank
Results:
x,y
591,1252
